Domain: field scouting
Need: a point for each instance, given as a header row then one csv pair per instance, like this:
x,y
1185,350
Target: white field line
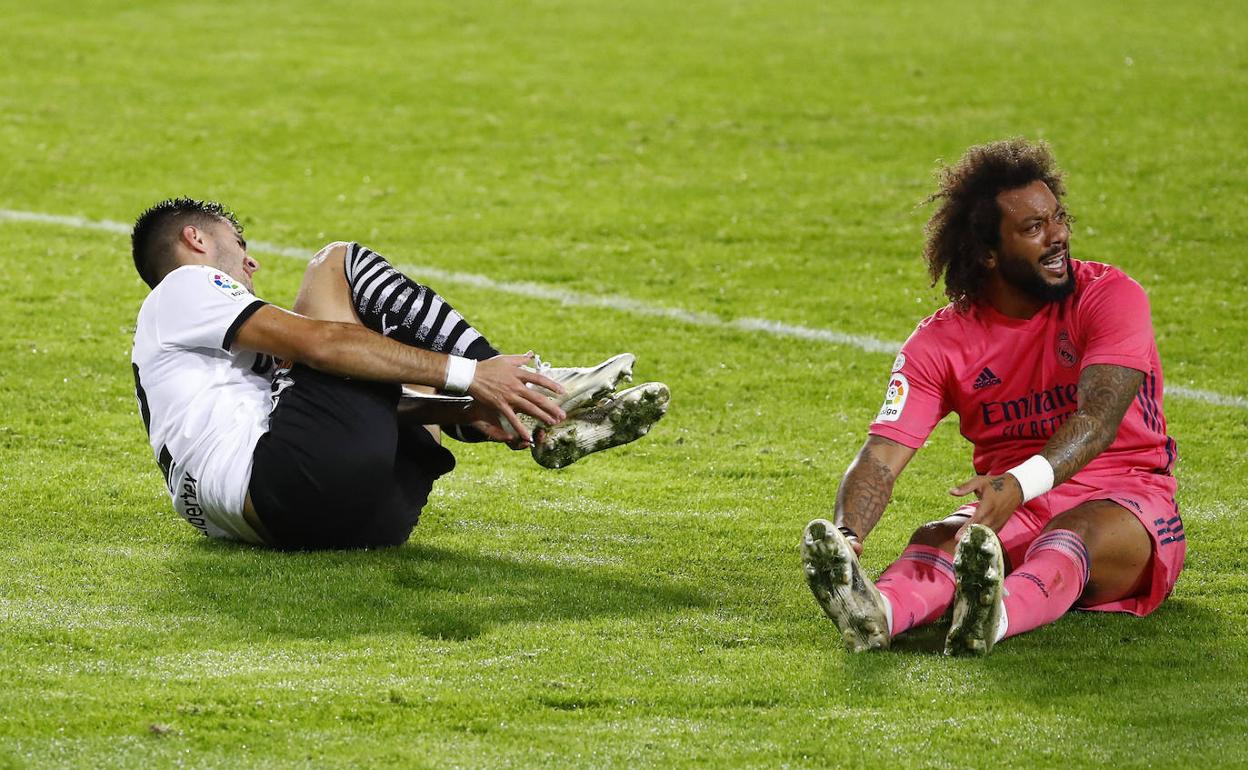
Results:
x,y
616,302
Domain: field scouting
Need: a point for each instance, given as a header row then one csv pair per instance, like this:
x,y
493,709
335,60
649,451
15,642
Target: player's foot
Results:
x,y
623,417
977,605
842,589
581,385
588,384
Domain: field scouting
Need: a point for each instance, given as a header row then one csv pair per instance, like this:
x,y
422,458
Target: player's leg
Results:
x,y
327,294
419,460
914,590
390,303
418,463
352,284
920,586
1095,553
347,283
324,293
324,476
323,471
1158,513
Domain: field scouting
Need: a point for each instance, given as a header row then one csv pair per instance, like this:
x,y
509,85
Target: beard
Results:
x,y
1025,276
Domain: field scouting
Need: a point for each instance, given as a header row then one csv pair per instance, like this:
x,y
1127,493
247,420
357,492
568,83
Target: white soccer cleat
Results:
x,y
581,385
842,589
978,604
622,417
586,385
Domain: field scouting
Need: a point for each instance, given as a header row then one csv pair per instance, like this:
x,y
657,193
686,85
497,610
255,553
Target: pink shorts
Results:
x,y
1149,496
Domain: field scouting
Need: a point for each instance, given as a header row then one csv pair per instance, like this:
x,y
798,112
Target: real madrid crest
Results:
x,y
1067,355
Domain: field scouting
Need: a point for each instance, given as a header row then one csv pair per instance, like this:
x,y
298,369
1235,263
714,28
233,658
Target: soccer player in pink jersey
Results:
x,y
1051,365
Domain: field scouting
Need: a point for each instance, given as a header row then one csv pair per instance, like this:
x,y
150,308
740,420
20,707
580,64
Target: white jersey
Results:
x,y
204,406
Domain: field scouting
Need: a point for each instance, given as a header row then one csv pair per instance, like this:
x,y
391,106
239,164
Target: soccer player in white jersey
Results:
x,y
291,429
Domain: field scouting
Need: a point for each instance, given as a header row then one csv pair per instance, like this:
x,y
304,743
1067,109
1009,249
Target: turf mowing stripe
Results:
x,y
623,304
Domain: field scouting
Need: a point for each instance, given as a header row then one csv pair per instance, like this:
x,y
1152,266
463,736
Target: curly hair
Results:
x,y
968,222
155,233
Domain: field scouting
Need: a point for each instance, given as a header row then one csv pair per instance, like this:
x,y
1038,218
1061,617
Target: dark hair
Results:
x,y
968,222
155,235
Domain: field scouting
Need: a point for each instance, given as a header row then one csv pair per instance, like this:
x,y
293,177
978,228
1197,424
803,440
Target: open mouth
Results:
x,y
1056,264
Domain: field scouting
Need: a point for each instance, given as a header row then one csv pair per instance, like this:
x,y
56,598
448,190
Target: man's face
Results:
x,y
229,252
1034,254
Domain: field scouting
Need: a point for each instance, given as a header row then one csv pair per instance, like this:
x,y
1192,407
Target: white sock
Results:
x,y
1002,624
888,612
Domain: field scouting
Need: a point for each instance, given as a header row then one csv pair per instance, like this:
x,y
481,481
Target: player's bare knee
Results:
x,y
329,258
1080,525
323,294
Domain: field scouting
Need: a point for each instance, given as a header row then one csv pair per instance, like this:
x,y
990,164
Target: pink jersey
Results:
x,y
1013,382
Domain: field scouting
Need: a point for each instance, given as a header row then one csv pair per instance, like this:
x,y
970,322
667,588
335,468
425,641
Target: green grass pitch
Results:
x,y
644,607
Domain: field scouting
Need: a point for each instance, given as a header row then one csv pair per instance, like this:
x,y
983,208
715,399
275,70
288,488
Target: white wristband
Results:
x,y
1034,475
459,374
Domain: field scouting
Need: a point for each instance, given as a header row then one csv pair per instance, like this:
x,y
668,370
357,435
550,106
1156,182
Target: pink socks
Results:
x,y
1048,581
918,586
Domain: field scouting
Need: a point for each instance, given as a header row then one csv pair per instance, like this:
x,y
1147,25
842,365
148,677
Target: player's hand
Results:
x,y
999,497
494,431
852,538
501,384
488,423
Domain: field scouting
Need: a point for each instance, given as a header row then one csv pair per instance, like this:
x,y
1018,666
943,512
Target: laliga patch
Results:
x,y
899,362
228,286
894,399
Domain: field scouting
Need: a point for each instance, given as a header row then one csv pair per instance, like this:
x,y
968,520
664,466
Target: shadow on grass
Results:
x,y
1132,660
1174,618
435,592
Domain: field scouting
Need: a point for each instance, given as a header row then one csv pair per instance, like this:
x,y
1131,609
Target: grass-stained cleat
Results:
x,y
842,589
979,569
582,386
589,384
623,417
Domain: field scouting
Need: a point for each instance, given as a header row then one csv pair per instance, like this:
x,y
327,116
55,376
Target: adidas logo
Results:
x,y
986,378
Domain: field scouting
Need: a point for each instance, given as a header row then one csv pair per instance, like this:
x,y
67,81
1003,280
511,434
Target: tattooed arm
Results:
x,y
1105,393
868,485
